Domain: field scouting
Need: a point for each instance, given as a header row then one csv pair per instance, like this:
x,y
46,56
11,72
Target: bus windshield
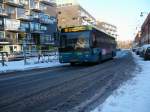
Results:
x,y
75,40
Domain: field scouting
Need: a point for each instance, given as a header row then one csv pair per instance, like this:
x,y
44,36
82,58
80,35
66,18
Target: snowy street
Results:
x,y
64,88
133,95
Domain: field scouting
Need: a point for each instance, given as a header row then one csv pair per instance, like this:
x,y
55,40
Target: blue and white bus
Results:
x,y
85,44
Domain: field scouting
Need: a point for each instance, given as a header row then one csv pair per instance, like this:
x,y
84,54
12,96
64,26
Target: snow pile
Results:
x,y
31,64
134,96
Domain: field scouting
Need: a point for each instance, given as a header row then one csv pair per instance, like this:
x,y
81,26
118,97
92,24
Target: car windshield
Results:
x,y
148,50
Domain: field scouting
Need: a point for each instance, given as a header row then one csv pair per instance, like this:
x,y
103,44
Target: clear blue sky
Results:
x,y
125,14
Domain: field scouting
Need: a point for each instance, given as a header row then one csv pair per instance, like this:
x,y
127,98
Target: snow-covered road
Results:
x,y
134,95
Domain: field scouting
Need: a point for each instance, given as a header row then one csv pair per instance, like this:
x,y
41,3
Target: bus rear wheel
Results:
x,y
99,59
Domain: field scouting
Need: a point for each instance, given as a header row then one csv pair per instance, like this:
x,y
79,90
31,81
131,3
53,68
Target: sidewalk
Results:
x,y
32,63
134,95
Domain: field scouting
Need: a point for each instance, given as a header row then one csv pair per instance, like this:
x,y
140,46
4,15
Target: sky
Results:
x,y
125,14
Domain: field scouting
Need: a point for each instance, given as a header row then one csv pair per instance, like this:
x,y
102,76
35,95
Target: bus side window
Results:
x,y
94,40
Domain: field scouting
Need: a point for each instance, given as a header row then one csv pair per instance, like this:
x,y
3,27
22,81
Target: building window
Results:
x,y
74,18
1,35
1,22
11,10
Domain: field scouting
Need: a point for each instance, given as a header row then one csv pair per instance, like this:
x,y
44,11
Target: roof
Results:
x,y
146,21
90,27
146,46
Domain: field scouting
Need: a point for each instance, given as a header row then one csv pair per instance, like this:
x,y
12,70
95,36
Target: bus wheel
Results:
x,y
72,63
99,59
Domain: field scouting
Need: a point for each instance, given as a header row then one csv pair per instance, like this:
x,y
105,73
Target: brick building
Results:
x,y
72,14
145,31
27,24
137,40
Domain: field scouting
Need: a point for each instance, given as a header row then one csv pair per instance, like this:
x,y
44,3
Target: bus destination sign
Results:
x,y
76,29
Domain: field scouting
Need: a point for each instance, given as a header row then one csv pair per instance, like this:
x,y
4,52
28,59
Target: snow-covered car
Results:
x,y
145,51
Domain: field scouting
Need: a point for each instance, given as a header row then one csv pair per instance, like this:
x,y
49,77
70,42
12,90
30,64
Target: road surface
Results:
x,y
63,89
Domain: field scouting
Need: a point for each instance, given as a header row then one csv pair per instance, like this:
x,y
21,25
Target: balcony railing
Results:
x,y
25,18
3,12
12,29
45,19
45,41
16,3
27,41
14,25
49,2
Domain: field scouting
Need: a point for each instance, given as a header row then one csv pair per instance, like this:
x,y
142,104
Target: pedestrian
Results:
x,y
39,56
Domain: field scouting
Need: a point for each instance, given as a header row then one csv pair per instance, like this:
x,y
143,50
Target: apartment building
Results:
x,y
145,31
27,24
108,28
137,40
72,14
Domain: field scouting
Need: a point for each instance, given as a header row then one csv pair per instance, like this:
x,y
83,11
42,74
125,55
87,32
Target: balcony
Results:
x,y
23,15
35,28
13,25
25,18
15,3
3,12
27,41
5,41
16,30
47,39
36,16
45,19
49,2
37,7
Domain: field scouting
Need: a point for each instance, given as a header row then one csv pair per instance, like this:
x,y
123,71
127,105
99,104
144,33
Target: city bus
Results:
x,y
81,44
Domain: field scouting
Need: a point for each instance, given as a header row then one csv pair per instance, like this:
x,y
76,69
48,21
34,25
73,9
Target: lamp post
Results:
x,y
141,15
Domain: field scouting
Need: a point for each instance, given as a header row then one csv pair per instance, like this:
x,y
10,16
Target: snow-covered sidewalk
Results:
x,y
32,64
134,95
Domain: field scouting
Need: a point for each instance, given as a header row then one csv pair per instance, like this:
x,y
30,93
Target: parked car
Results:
x,y
146,52
139,50
133,49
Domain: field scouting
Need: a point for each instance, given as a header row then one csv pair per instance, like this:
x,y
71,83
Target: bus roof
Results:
x,y
82,28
